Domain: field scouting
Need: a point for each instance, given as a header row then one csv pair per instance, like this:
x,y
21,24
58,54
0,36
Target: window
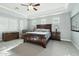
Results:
x,y
55,23
75,22
43,21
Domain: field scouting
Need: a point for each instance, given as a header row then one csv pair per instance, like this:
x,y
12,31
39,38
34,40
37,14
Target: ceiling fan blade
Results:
x,y
37,4
16,8
24,5
27,9
30,4
35,9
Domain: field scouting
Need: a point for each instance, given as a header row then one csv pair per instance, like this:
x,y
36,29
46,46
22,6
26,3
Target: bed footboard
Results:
x,y
38,39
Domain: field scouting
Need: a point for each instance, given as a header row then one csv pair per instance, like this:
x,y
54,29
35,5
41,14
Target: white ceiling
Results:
x,y
43,9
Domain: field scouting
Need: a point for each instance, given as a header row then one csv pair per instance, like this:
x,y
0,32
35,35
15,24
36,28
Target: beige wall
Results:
x,y
9,23
63,21
75,35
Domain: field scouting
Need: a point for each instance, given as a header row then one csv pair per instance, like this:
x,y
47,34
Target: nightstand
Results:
x,y
56,36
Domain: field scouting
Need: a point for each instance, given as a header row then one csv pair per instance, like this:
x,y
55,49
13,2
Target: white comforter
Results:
x,y
47,34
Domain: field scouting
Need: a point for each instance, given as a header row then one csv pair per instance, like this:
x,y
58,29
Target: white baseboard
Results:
x,y
76,45
0,39
66,40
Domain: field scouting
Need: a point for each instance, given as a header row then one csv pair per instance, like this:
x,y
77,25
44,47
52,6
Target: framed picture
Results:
x,y
75,22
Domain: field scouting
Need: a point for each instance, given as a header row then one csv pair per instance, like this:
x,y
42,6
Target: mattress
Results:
x,y
46,34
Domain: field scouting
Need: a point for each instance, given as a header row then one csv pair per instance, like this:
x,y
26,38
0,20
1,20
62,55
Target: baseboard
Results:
x,y
0,39
66,40
76,45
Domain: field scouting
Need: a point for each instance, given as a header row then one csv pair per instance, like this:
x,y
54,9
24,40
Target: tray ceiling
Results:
x,y
43,9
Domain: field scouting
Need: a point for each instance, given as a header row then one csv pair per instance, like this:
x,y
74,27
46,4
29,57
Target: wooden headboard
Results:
x,y
45,26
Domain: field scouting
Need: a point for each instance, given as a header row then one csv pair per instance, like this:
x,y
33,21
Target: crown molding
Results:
x,y
49,13
38,14
13,11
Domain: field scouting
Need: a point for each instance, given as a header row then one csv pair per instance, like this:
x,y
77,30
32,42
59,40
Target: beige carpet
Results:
x,y
54,48
7,45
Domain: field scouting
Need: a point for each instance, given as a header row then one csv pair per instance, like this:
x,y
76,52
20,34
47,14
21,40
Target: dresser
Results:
x,y
6,36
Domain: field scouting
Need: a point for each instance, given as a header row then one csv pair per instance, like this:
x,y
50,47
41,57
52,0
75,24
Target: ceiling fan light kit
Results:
x,y
31,6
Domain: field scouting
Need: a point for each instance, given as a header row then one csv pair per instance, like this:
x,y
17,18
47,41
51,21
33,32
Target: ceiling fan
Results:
x,y
31,6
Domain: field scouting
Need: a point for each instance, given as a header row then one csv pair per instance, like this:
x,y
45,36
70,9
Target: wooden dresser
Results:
x,y
56,36
6,36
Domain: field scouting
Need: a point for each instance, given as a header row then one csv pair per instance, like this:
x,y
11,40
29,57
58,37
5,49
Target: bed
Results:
x,y
40,35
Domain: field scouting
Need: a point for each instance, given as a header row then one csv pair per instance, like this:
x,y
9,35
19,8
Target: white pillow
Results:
x,y
42,30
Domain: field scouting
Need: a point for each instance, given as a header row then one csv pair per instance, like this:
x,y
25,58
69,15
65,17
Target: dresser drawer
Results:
x,y
10,36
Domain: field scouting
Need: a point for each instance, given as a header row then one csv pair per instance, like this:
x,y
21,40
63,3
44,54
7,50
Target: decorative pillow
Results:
x,y
42,30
